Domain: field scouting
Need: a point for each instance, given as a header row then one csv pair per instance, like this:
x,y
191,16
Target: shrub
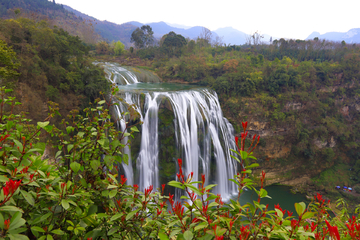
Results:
x,y
81,196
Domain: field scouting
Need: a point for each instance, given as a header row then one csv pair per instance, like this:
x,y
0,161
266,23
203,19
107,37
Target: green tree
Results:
x,y
8,62
142,37
172,43
119,48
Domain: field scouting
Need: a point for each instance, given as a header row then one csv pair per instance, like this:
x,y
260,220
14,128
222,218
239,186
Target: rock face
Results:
x,y
295,149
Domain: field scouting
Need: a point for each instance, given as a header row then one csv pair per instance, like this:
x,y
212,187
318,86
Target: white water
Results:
x,y
199,126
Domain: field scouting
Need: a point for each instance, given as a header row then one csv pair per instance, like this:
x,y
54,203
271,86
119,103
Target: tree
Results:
x,y
173,43
102,48
8,62
142,37
204,38
119,48
254,39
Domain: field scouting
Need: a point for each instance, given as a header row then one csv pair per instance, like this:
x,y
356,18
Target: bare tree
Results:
x,y
204,38
218,42
254,39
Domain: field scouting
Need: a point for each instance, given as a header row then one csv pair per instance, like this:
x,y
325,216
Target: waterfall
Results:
x,y
198,132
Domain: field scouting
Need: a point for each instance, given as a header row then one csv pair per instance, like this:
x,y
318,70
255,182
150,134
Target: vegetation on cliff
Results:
x,y
302,96
81,196
51,65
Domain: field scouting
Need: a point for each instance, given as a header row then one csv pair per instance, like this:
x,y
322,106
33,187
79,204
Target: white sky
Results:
x,y
278,18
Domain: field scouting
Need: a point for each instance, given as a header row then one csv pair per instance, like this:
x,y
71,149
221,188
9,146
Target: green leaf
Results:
x,y
163,236
83,182
11,209
299,208
263,193
3,178
75,166
1,221
37,229
49,237
307,215
188,235
28,197
210,186
131,214
213,204
134,129
69,147
16,221
69,129
105,193
116,216
18,237
279,213
92,209
253,165
18,144
65,204
113,193
43,124
58,232
201,226
101,102
57,154
101,141
113,230
81,134
125,159
176,184
95,164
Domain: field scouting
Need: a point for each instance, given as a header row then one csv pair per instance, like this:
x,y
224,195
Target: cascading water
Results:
x,y
202,137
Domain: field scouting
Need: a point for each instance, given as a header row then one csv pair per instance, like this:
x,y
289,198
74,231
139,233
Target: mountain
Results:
x,y
351,36
55,14
109,30
231,36
313,35
178,25
162,28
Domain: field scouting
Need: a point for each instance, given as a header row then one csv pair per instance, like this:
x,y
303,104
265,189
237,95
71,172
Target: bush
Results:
x,y
81,196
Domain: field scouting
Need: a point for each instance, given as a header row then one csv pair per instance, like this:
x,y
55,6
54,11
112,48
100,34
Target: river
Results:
x,y
279,195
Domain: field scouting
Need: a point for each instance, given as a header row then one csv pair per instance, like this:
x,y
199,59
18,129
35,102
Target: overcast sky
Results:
x,y
278,18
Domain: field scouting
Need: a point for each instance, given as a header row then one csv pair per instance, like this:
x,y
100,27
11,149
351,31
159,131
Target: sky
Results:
x,y
277,18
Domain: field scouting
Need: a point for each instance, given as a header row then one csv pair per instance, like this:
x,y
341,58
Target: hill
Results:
x,y
109,30
351,36
54,14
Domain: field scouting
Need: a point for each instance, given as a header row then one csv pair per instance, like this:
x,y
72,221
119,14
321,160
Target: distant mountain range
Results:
x,y
74,23
351,36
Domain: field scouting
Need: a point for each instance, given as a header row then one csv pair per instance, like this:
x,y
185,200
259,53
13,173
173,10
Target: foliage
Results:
x,y
119,48
51,63
142,37
8,62
80,195
172,43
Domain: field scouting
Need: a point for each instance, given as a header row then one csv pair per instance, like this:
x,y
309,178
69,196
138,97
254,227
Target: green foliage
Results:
x,y
53,64
81,196
173,43
119,48
142,37
8,62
